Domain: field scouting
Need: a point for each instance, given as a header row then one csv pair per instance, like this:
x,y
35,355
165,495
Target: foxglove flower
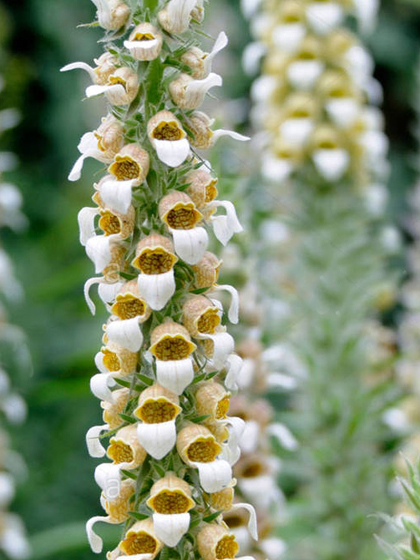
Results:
x,y
165,368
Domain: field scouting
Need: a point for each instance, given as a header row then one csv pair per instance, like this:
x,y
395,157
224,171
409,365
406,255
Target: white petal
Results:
x,y
214,476
136,557
190,244
9,118
231,450
260,490
140,46
10,197
223,347
88,284
117,195
95,448
251,437
81,66
157,439
289,36
230,133
8,161
276,169
242,537
95,540
273,548
284,436
7,489
76,170
376,145
99,363
366,12
323,17
13,539
235,365
252,56
196,90
250,7
175,375
252,523
86,220
331,164
220,43
263,88
108,292
116,89
233,312
88,143
103,12
296,131
4,382
282,381
108,478
225,226
343,111
179,14
303,74
100,386
247,373
172,153
15,408
157,289
126,333
171,528
98,249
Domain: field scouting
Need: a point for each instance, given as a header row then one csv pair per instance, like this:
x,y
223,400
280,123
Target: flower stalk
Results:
x,y
323,153
167,363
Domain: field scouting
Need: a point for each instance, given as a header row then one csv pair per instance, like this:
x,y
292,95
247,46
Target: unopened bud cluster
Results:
x,y
167,366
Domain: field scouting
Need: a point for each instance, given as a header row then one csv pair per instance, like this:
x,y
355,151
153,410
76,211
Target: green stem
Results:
x,y
151,4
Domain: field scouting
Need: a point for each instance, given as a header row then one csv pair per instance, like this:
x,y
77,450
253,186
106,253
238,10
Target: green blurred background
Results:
x,y
39,37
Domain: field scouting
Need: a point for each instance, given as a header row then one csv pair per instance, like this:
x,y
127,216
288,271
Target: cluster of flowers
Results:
x,y
12,407
167,364
407,416
316,95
